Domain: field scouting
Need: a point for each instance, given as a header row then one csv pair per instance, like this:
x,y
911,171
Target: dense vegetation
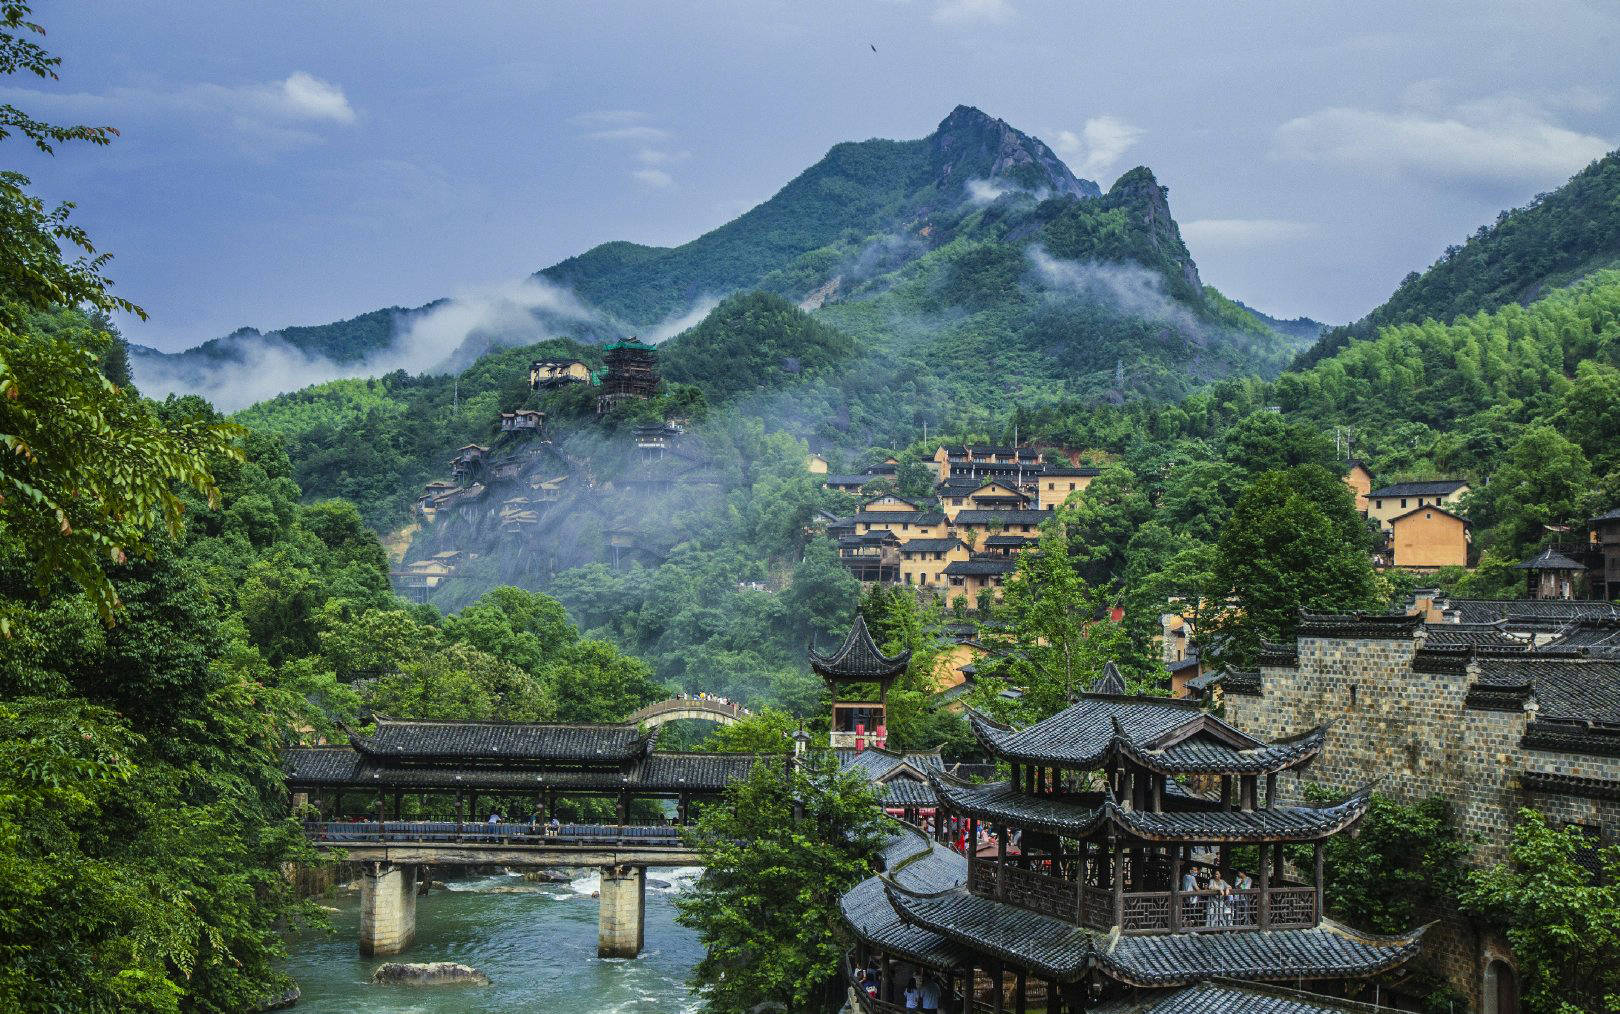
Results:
x,y
1552,241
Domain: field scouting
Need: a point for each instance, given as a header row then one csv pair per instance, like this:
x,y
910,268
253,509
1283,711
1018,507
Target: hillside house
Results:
x,y
972,494
468,461
815,464
975,526
1603,575
1360,480
556,372
1056,485
1550,574
846,482
923,561
1390,502
631,372
524,420
1428,538
872,556
969,579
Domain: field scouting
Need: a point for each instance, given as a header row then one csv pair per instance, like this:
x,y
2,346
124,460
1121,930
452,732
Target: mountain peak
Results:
x,y
971,144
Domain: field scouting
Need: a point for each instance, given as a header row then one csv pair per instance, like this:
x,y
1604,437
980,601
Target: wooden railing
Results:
x,y
448,831
1288,907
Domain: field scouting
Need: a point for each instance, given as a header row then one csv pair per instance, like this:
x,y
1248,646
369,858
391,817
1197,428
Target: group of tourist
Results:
x,y
922,994
1221,903
724,702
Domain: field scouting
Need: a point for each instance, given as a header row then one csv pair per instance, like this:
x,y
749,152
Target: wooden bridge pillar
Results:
x,y
387,908
621,918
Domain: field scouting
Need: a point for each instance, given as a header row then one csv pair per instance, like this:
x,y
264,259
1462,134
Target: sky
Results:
x,y
298,163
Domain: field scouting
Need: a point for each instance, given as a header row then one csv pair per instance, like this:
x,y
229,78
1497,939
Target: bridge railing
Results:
x,y
448,831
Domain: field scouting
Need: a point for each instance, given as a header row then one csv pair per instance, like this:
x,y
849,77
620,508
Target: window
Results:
x,y
1380,504
1071,485
1403,501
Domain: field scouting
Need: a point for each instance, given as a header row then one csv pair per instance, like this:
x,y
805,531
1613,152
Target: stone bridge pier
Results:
x,y
621,919
388,907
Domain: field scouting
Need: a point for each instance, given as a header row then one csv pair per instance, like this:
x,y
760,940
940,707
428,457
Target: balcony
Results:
x,y
1284,906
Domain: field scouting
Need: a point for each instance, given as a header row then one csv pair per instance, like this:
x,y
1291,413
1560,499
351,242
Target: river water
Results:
x,y
536,942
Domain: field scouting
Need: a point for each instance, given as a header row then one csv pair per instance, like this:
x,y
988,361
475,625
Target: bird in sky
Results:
x,y
874,48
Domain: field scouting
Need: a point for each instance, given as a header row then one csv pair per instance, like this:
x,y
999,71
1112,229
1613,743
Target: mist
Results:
x,y
447,335
1132,289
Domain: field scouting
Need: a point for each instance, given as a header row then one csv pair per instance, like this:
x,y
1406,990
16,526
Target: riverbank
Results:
x,y
535,941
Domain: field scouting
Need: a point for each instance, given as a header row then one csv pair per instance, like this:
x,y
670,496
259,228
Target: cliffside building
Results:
x,y
632,372
557,372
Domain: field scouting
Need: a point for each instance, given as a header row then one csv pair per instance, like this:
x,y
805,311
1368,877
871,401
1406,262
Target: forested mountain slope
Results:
x,y
1553,240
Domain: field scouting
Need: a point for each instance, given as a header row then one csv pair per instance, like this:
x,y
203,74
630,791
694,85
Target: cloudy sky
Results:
x,y
302,162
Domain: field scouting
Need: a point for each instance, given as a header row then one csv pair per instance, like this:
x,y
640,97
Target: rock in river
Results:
x,y
433,973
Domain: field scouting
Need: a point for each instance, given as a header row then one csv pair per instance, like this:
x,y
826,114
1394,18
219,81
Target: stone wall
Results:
x,y
387,908
1413,732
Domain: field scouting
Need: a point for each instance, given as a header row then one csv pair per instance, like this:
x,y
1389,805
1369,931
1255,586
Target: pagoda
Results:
x,y
631,373
858,662
1111,870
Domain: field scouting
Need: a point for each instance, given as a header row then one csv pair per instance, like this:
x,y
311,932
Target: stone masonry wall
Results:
x,y
1413,733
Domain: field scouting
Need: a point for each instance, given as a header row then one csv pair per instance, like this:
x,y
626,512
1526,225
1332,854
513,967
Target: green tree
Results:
x,y
768,731
780,852
1562,920
1295,540
1050,635
1545,480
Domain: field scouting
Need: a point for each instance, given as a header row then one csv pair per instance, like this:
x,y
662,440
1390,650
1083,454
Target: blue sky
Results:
x,y
302,162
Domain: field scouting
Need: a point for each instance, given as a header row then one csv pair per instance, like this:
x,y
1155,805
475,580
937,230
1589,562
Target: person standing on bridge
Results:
x,y
494,816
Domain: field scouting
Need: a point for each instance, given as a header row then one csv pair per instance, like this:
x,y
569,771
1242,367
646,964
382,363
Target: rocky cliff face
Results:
x,y
970,144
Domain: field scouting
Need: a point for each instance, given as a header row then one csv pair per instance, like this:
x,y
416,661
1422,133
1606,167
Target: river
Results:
x,y
536,942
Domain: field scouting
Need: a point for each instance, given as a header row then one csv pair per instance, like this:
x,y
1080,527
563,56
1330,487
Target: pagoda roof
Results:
x,y
880,765
632,344
341,766
418,740
921,865
1051,947
1169,736
1326,951
1188,820
1219,995
1549,559
858,658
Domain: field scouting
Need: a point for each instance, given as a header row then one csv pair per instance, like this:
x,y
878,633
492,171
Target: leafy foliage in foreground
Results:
x,y
1558,895
781,850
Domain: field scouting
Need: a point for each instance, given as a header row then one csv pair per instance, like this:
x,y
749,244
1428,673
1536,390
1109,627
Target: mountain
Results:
x,y
970,218
1552,241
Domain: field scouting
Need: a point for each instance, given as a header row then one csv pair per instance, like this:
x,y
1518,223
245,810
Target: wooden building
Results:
x,y
1552,575
858,662
1087,891
632,372
522,420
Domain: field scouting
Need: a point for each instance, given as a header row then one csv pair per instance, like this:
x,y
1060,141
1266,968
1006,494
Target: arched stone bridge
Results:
x,y
678,708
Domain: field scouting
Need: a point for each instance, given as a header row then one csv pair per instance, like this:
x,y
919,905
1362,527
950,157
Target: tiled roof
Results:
x,y
1050,947
1245,683
1079,816
1549,559
1553,783
845,479
1489,635
1358,625
1529,611
877,764
1609,515
899,517
1329,951
1109,681
917,864
1278,654
1011,540
929,545
858,657
980,568
906,792
659,772
1427,487
1065,472
508,741
977,517
1166,735
1596,636
1230,996
1565,689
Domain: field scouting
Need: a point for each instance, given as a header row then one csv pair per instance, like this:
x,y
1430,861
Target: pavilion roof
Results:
x,y
1186,820
1219,995
858,658
1169,736
1327,951
511,742
1048,946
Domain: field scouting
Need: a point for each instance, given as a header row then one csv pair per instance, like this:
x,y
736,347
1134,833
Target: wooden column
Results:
x,y
1001,861
1116,860
998,997
1226,793
623,805
1317,859
472,805
382,810
458,813
1246,800
1158,793
967,991
1265,886
1271,790
399,804
1021,1000
683,807
1175,888
886,980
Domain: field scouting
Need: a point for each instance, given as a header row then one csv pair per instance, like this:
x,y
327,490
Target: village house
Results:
x,y
418,579
969,579
1056,485
1604,569
1428,538
923,561
871,556
554,372
524,419
975,526
815,464
958,495
1360,480
902,517
468,461
1390,502
1552,575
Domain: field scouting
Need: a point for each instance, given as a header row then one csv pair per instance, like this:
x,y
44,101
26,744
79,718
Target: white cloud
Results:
x,y
1501,139
679,321
655,178
1131,288
1098,145
305,96
262,117
608,117
1243,232
961,12
639,133
658,156
982,191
